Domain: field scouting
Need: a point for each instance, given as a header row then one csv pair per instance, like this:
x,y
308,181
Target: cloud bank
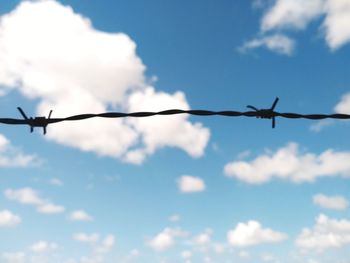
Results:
x,y
55,56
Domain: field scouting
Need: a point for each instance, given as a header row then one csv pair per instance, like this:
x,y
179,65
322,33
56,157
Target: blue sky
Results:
x,y
177,188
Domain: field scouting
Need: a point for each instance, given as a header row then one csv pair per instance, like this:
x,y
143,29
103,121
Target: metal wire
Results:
x,y
270,113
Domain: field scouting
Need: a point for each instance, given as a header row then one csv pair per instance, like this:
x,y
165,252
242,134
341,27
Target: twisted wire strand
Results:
x,y
258,113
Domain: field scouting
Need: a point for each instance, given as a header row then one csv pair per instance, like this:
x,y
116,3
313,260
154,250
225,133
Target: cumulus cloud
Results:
x,y
173,131
252,233
190,184
53,55
29,196
9,219
278,43
330,202
289,164
165,239
326,233
343,106
296,15
10,156
337,31
43,246
80,215
292,14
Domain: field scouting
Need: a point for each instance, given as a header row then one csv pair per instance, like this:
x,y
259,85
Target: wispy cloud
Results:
x,y
29,196
330,202
56,181
174,218
86,238
10,156
80,215
343,106
278,43
43,246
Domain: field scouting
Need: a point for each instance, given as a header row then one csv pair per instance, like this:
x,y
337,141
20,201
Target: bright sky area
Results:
x,y
171,189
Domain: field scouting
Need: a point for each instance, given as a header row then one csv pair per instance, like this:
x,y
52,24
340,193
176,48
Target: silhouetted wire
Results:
x,y
258,113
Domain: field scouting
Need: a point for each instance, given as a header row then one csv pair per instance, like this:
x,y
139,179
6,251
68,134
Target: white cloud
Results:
x,y
43,246
252,233
10,156
203,238
190,184
29,196
278,43
86,238
288,164
320,125
49,208
100,247
106,244
174,218
326,233
343,106
25,195
54,55
9,219
296,15
165,239
80,215
158,131
162,241
56,181
330,202
336,23
204,244
292,14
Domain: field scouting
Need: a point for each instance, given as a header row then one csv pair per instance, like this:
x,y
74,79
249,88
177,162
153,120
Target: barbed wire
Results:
x,y
270,113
